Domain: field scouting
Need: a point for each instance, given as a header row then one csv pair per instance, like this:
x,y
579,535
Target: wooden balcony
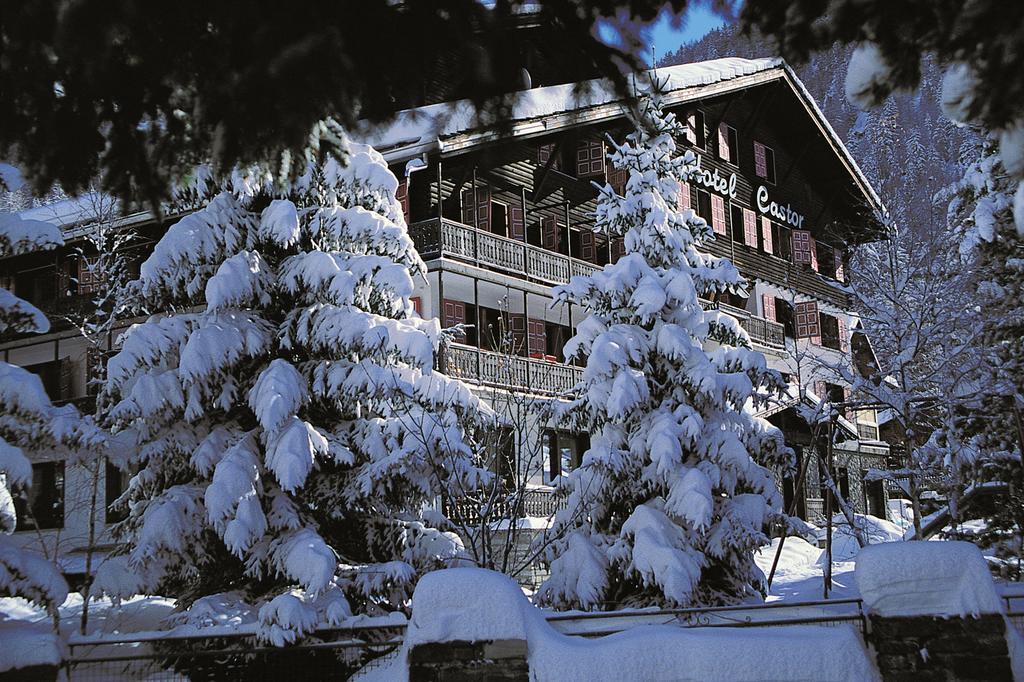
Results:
x,y
513,372
532,502
761,331
435,238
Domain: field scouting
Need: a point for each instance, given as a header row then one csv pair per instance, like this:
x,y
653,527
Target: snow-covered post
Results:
x,y
271,395
935,613
674,495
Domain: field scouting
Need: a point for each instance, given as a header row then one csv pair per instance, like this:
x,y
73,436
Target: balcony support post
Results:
x,y
476,220
568,235
526,221
526,334
440,210
479,330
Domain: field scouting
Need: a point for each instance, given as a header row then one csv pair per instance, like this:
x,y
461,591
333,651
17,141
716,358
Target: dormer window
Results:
x,y
728,143
764,162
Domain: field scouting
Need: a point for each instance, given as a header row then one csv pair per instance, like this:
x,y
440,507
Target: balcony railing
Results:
x,y
443,237
488,368
761,331
532,502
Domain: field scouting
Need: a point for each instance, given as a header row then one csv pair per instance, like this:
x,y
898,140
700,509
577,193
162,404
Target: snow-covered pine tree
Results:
x,y
29,422
984,209
673,496
292,433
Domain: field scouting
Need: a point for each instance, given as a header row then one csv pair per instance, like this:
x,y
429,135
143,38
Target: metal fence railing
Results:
x,y
340,654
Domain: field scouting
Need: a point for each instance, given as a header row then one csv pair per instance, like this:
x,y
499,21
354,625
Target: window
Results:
x,y
501,452
736,216
499,218
781,239
874,496
764,162
117,483
695,133
704,205
728,143
563,451
784,316
829,331
826,260
544,155
42,505
834,393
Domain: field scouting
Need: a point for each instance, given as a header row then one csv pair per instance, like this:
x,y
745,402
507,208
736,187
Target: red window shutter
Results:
x,y
590,158
538,338
749,228
588,250
618,249
617,178
517,323
517,226
801,246
454,313
683,199
844,336
550,233
768,304
723,142
483,207
417,305
814,255
718,214
766,235
760,162
544,153
402,194
806,321
840,270
468,208
691,127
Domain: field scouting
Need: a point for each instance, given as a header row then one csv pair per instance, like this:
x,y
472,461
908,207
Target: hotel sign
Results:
x,y
781,212
714,181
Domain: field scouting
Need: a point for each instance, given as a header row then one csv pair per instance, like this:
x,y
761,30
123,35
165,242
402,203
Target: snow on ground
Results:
x,y
139,613
27,644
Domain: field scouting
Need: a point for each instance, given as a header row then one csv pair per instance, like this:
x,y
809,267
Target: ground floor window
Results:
x,y
116,484
42,505
563,451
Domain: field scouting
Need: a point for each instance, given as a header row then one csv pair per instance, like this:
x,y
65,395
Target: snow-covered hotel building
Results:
x,y
501,214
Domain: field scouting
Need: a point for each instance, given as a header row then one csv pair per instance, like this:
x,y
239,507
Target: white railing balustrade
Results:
x,y
508,371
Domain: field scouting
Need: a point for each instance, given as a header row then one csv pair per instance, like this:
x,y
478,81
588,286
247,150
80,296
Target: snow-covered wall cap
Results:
x,y
467,604
926,579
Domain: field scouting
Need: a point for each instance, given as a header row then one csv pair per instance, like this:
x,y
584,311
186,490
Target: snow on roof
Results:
x,y
425,125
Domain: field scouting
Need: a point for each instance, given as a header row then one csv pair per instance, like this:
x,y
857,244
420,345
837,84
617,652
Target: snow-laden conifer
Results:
x,y
292,434
674,495
29,423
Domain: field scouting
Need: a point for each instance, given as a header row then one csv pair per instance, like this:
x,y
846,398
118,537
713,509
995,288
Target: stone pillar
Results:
x,y
933,612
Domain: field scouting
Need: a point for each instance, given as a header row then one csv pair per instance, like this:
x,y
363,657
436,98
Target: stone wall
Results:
x,y
931,648
490,661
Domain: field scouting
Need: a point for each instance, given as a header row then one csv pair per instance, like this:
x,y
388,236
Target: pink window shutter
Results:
x,y
768,305
483,207
691,127
468,208
550,233
760,162
801,247
766,235
683,199
749,228
723,142
844,336
840,270
820,390
718,214
814,254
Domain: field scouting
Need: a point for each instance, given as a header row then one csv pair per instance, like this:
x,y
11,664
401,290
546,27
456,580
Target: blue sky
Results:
x,y
696,22
667,32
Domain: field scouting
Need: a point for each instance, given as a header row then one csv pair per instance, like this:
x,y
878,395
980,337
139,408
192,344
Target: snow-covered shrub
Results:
x,y
291,429
673,497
